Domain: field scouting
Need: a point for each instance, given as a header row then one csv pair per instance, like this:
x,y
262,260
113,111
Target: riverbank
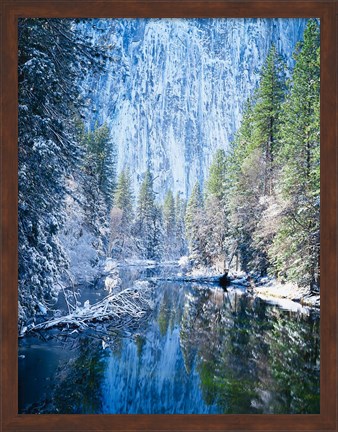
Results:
x,y
267,288
275,289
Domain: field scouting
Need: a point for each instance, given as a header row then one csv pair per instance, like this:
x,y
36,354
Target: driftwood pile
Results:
x,y
120,308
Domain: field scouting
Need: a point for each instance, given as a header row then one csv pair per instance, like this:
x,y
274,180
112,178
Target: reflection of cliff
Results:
x,y
149,374
251,357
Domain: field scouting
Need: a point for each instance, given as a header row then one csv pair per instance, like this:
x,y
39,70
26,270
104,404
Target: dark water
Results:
x,y
200,351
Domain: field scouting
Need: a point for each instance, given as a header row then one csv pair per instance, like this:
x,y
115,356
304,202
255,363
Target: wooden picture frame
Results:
x,y
327,11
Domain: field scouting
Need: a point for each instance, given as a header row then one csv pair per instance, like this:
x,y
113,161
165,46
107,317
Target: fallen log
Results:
x,y
129,304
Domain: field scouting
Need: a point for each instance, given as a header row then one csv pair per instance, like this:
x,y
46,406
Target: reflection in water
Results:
x,y
201,351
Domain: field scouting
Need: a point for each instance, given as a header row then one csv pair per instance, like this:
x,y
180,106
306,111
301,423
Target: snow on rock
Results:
x,y
110,265
285,304
240,281
112,282
198,272
176,89
139,284
184,262
140,262
42,308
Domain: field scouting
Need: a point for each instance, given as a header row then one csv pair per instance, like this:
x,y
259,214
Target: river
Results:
x,y
201,350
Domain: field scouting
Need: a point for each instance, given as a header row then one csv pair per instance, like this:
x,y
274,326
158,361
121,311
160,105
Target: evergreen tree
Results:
x,y
100,160
267,112
181,242
216,183
295,252
194,220
246,186
148,227
121,218
52,61
252,164
215,227
123,197
169,224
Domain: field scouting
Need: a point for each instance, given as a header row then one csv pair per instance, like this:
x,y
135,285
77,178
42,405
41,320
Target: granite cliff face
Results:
x,y
176,89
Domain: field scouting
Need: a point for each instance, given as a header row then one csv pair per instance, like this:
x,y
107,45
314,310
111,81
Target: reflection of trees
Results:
x,y
169,312
140,342
294,355
164,314
251,357
79,389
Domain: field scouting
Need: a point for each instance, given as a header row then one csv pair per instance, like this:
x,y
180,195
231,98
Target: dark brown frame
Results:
x,y
327,11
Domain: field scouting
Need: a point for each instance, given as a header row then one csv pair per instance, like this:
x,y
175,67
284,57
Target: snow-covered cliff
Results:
x,y
176,89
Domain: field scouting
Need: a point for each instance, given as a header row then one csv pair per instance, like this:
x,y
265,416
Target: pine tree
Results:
x,y
52,61
169,224
216,183
246,186
123,197
295,252
100,160
252,166
181,242
94,204
148,227
215,212
194,220
121,218
267,111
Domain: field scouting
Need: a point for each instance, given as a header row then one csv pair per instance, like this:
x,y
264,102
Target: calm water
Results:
x,y
200,351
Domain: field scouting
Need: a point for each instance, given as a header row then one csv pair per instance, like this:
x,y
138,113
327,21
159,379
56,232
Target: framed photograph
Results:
x,y
169,215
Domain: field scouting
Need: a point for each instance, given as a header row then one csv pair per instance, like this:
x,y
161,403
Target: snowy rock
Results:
x,y
111,283
141,263
141,284
184,263
23,331
110,265
177,90
105,345
42,308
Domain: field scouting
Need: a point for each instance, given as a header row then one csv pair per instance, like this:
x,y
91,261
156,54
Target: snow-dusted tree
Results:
x,y
194,217
180,235
216,184
124,198
215,227
296,247
148,228
94,200
267,114
169,225
101,159
121,218
52,60
252,165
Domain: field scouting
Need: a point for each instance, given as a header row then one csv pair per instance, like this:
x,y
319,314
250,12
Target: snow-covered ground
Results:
x,y
288,292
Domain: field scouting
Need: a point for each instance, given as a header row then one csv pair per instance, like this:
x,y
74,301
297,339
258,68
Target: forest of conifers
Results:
x,y
258,209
